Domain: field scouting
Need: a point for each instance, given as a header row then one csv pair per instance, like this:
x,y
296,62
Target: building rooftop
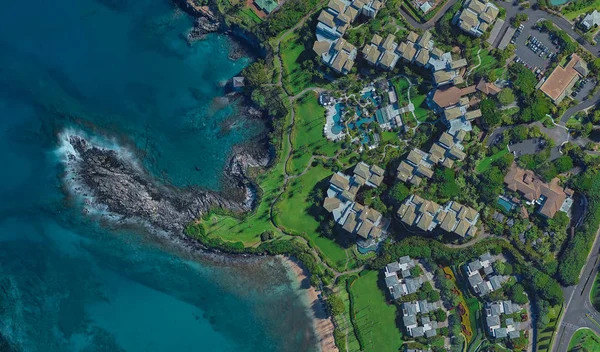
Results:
x,y
550,195
563,78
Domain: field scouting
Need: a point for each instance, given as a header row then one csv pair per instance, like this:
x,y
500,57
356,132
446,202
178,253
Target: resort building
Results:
x,y
416,167
381,52
560,82
482,277
447,97
590,21
417,49
399,280
458,117
332,23
426,215
476,17
488,88
551,197
355,218
415,317
495,328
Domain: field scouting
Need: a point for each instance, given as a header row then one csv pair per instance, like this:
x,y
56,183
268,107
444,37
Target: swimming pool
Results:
x,y
337,127
506,204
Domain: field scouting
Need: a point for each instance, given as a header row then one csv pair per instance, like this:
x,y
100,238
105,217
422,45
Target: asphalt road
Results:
x,y
578,312
586,104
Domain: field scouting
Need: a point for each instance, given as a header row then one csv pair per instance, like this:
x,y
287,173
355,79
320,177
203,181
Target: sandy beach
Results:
x,y
323,323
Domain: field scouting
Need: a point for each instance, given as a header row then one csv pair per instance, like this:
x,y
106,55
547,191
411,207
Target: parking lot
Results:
x,y
534,48
582,89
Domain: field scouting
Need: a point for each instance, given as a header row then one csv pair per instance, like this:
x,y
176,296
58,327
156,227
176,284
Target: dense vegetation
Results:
x,y
575,255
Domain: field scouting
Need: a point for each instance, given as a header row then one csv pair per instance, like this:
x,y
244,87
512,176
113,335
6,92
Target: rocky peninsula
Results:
x,y
112,180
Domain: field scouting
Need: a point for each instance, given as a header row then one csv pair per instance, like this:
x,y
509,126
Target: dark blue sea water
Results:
x,y
119,70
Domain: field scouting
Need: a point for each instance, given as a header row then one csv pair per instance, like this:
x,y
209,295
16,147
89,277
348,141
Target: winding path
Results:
x,y
431,23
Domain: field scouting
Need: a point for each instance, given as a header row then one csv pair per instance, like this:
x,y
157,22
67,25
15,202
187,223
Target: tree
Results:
x,y
506,96
517,294
563,164
489,113
257,74
335,304
399,192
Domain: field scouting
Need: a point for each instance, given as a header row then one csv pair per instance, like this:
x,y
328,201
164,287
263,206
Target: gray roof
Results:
x,y
475,279
488,270
484,289
392,281
510,321
393,267
427,307
410,308
495,308
500,333
510,307
404,260
493,320
431,332
514,334
496,282
397,291
413,284
405,273
475,265
409,320
418,331
486,256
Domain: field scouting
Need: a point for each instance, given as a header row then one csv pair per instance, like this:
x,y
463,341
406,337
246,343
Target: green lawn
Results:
x,y
585,338
375,319
573,15
295,213
389,137
293,53
486,163
487,62
307,135
401,85
421,108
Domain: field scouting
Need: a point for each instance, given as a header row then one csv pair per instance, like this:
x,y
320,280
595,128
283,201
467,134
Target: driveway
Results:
x,y
579,107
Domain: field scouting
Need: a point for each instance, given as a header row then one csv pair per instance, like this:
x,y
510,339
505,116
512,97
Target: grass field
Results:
x,y
421,108
486,163
573,15
375,319
307,135
293,54
293,212
585,338
487,62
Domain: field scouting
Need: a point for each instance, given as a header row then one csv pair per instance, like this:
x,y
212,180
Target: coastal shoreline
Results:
x,y
322,321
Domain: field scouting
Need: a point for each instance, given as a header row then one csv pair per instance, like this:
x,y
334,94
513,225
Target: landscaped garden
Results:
x,y
578,8
486,163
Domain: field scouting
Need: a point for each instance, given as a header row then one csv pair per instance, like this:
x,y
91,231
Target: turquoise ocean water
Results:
x,y
119,69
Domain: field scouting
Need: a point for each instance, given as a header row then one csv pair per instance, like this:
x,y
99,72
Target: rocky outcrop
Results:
x,y
205,23
115,182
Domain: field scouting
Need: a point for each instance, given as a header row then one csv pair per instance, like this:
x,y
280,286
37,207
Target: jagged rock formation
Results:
x,y
113,181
